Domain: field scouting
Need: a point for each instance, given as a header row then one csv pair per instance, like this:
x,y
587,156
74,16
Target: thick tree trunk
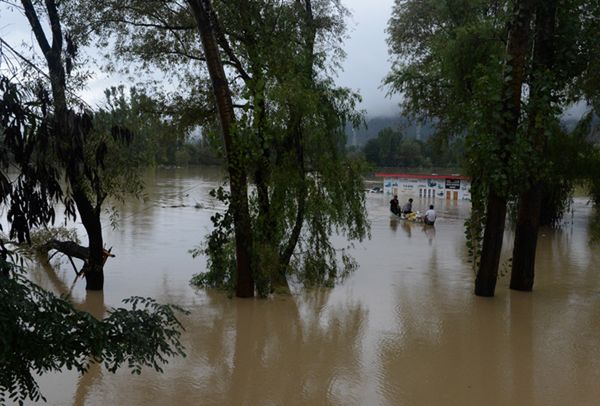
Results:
x,y
485,283
530,201
526,236
516,54
90,217
244,284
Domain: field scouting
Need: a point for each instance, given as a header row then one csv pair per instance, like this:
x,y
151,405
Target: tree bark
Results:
x,y
90,217
485,282
516,54
526,236
530,201
244,282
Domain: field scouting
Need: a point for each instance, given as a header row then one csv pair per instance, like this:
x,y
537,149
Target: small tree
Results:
x,y
284,133
64,136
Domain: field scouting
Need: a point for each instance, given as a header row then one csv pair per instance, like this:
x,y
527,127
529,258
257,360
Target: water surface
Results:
x,y
405,329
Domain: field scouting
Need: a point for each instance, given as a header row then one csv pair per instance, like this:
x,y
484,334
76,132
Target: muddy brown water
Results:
x,y
404,329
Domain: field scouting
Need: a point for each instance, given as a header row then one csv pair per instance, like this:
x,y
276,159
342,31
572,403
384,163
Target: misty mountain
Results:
x,y
360,136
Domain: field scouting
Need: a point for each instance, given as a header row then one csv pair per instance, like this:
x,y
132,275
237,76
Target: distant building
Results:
x,y
451,187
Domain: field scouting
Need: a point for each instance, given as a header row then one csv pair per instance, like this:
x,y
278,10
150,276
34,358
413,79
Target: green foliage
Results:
x,y
572,158
335,204
448,63
219,248
385,149
39,237
289,136
291,127
157,137
26,135
445,54
42,333
475,224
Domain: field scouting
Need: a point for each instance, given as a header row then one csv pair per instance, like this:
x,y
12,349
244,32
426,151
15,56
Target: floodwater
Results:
x,y
404,329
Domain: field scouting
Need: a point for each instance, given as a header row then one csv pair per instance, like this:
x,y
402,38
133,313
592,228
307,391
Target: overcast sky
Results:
x,y
367,59
366,64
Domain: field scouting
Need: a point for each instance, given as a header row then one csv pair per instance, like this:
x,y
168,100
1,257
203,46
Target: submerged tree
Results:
x,y
69,132
41,333
51,133
450,66
559,28
542,100
454,65
509,114
284,132
208,29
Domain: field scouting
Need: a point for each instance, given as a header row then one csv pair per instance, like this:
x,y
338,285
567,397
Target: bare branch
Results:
x,y
40,70
36,26
11,4
161,26
24,59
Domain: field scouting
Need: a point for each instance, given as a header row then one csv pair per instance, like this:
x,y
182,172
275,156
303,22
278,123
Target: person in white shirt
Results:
x,y
430,216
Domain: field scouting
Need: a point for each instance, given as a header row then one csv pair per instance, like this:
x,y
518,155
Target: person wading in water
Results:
x,y
407,208
395,205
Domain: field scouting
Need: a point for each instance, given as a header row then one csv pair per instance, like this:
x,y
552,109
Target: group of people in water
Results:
x,y
407,212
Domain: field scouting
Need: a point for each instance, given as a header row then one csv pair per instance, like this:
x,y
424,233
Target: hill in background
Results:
x,y
359,137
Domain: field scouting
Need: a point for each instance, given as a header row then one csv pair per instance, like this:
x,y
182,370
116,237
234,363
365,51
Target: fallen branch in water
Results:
x,y
73,250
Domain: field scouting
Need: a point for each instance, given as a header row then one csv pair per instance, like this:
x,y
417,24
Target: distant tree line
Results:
x,y
163,135
391,148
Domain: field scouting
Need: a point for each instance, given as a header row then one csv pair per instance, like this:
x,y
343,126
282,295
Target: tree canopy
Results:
x,y
457,61
286,135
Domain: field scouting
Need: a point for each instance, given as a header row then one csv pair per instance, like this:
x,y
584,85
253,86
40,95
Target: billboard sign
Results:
x,y
453,184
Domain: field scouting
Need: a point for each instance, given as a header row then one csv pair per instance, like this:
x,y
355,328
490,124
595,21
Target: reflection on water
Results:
x,y
404,329
394,222
594,228
407,228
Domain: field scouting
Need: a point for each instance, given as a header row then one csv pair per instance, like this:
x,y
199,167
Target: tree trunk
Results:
x,y
485,283
244,279
69,248
530,201
90,217
296,138
516,54
66,131
526,236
